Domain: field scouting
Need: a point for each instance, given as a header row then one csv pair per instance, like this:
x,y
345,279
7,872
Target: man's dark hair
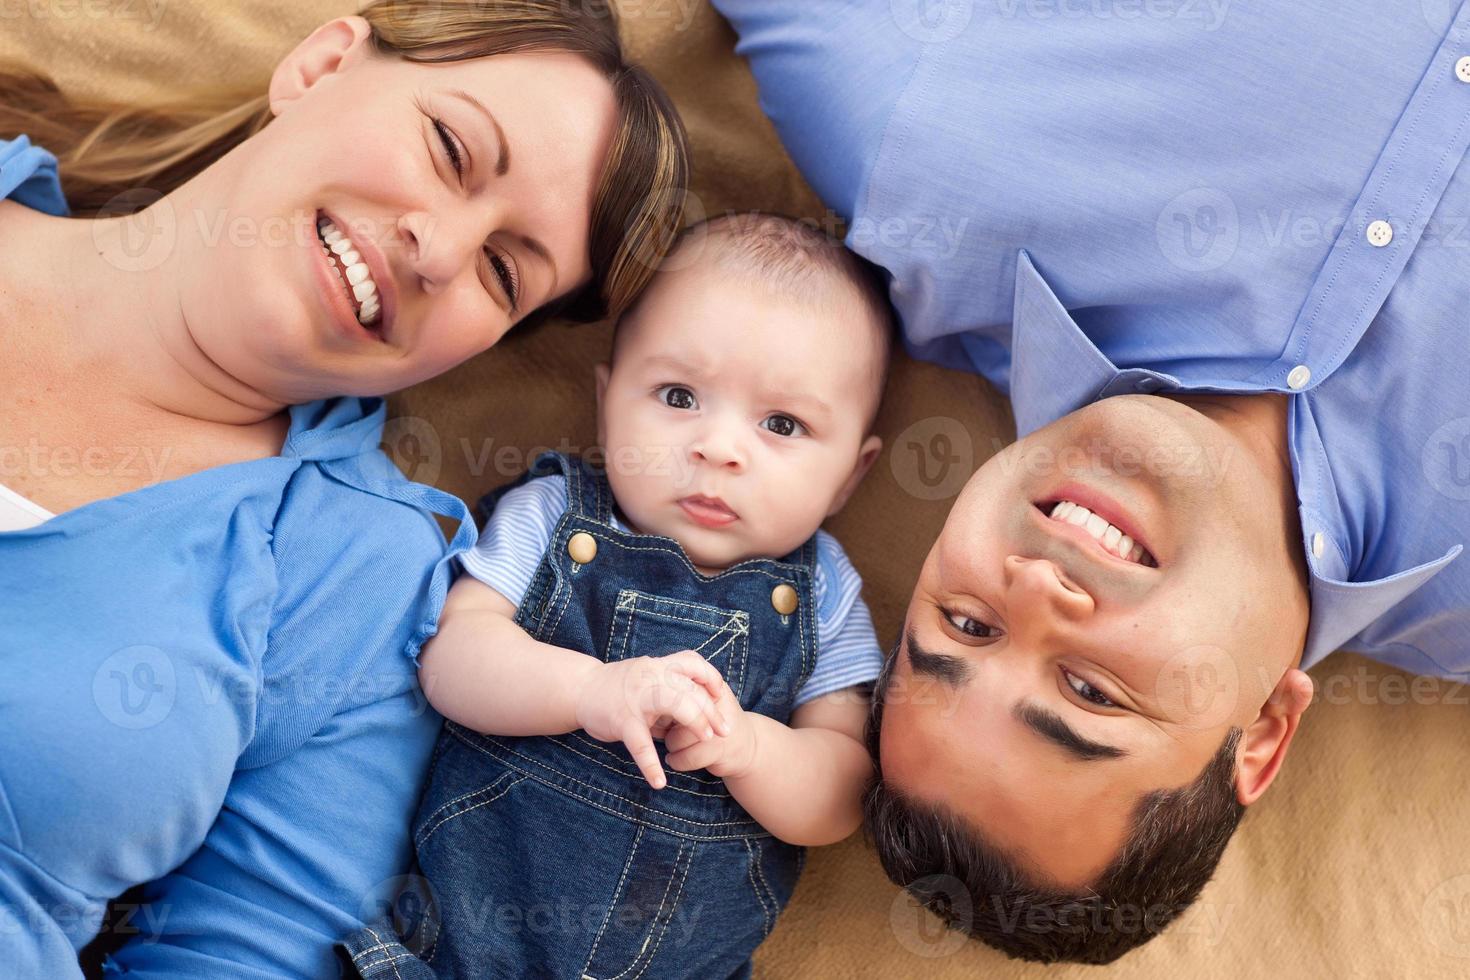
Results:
x,y
976,887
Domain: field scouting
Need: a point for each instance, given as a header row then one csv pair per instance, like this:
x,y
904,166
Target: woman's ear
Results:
x,y
603,371
327,50
867,456
1263,747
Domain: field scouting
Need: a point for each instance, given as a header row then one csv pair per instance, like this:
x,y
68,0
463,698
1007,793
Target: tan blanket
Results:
x,y
1353,865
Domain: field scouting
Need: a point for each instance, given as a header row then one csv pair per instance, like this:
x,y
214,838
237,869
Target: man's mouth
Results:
x,y
708,511
1111,538
352,272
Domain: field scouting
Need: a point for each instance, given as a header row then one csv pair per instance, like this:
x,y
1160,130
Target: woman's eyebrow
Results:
x,y
502,163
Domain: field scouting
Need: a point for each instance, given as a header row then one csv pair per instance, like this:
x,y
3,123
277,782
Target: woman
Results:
x,y
212,584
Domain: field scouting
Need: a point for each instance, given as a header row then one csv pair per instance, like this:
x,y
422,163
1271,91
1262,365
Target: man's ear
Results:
x,y
326,51
602,372
1263,748
867,456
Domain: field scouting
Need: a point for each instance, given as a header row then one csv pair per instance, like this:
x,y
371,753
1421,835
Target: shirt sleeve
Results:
x,y
847,645
516,536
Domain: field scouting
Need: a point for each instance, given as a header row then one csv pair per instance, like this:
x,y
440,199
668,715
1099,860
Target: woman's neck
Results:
x,y
98,302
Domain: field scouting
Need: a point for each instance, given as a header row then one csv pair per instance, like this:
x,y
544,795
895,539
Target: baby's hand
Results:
x,y
635,701
730,754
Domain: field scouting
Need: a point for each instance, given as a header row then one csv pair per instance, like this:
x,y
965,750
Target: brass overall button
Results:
x,y
582,547
783,598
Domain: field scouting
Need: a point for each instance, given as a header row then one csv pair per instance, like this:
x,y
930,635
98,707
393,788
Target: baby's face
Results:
x,y
735,422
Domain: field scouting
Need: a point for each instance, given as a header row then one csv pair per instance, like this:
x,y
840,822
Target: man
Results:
x,y
1218,255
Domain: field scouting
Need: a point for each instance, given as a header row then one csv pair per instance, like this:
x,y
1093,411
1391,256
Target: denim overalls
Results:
x,y
551,856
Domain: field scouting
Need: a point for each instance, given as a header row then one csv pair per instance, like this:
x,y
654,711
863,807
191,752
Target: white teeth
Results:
x,y
1112,538
358,279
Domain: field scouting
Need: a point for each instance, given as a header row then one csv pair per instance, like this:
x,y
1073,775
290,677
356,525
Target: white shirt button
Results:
x,y
1319,544
1298,378
1380,233
1462,69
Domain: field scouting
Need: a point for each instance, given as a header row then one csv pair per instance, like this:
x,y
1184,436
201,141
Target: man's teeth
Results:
x,y
357,279
1112,539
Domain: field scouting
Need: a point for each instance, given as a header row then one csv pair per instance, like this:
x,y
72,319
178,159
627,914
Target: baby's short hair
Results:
x,y
788,258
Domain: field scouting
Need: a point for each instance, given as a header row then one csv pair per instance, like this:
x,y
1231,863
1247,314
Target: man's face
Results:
x,y
1044,682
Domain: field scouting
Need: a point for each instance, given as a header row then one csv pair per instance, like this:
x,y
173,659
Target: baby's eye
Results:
x,y
677,396
1087,692
970,626
784,425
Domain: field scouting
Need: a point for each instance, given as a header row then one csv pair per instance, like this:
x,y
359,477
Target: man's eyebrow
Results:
x,y
502,164
1050,726
949,670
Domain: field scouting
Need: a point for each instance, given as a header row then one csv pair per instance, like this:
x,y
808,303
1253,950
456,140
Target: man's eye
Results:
x,y
1087,692
970,626
677,396
784,425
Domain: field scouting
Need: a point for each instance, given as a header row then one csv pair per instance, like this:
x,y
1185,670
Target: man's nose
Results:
x,y
1036,586
439,248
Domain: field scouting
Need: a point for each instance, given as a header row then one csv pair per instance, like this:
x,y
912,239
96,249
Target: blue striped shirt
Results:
x,y
519,532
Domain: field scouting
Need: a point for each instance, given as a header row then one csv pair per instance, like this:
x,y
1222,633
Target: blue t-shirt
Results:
x,y
520,529
210,687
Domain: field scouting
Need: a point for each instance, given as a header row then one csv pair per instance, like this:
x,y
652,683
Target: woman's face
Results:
x,y
465,189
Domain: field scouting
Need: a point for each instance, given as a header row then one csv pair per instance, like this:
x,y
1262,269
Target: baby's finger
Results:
x,y
700,755
680,738
640,746
693,709
706,675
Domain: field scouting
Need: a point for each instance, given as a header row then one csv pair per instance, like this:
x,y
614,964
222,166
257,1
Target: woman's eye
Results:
x,y
1087,692
505,272
784,425
970,626
451,146
677,396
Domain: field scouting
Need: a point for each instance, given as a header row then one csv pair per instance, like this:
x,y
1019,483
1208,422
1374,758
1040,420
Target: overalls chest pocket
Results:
x,y
645,625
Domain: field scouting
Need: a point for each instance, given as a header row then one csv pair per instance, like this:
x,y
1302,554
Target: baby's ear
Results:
x,y
867,456
602,372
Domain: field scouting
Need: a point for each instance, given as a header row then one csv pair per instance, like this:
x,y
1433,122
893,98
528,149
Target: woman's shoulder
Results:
x,y
29,176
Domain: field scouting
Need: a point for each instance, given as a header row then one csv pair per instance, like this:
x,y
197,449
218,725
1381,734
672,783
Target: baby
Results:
x,y
680,592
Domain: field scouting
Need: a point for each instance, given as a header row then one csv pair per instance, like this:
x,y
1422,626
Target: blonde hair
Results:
x,y
105,149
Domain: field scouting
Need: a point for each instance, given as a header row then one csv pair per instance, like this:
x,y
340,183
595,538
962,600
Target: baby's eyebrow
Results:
x,y
808,405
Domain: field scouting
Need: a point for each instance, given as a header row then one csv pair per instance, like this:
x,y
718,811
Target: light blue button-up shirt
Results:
x,y
1082,198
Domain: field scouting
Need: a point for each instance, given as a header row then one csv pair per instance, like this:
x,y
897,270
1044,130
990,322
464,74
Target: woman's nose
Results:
x,y
440,249
1038,585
